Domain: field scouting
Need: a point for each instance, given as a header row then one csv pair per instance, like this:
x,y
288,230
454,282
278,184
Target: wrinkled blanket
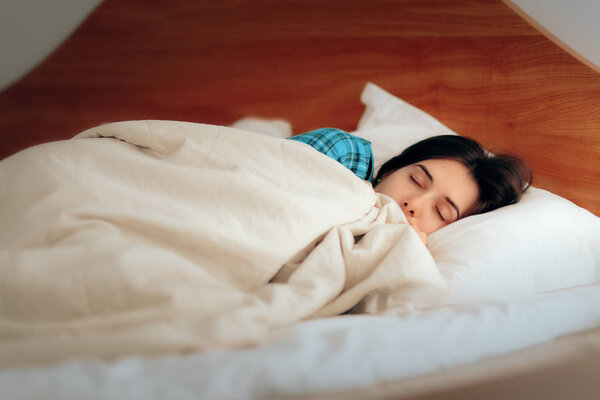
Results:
x,y
154,237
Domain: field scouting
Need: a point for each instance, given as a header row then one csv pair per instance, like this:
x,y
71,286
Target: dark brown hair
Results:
x,y
501,178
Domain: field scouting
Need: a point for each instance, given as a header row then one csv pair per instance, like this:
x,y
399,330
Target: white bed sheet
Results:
x,y
325,355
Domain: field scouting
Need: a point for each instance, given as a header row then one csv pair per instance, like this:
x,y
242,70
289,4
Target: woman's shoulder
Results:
x,y
331,138
351,151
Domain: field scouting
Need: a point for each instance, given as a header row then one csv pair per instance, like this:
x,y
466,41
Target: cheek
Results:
x,y
428,225
429,222
394,187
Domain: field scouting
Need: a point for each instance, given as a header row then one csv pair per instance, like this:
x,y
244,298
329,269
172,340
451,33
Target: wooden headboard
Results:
x,y
473,64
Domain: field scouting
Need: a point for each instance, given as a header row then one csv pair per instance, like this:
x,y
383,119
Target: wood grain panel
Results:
x,y
475,65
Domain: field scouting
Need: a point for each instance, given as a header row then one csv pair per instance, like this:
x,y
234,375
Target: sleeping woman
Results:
x,y
436,181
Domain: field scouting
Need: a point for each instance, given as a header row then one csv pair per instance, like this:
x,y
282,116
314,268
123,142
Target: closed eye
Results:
x,y
416,182
440,214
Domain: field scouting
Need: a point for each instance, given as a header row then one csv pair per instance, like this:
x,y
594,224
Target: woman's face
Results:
x,y
432,193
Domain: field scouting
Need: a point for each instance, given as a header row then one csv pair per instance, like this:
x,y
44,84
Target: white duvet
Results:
x,y
155,237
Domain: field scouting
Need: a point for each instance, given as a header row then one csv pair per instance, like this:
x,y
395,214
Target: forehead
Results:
x,y
445,164
451,178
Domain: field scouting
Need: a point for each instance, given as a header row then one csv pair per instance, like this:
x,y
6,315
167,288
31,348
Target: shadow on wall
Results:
x,y
30,30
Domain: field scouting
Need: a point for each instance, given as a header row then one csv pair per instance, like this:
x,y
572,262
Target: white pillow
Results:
x,y
271,127
542,243
391,124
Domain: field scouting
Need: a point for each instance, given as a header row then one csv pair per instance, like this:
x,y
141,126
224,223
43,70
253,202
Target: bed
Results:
x,y
521,318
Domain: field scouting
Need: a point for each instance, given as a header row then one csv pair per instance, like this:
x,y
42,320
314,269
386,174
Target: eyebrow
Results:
x,y
448,199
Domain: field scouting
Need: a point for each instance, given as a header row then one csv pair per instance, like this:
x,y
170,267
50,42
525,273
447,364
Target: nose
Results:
x,y
412,206
409,209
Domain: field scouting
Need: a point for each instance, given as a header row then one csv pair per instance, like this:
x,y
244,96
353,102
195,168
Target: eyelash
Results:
x,y
416,182
439,214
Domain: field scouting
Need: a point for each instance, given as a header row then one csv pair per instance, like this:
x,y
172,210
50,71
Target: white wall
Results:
x,y
30,30
574,23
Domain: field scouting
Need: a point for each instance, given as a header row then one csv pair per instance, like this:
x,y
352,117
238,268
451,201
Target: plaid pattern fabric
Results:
x,y
351,151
